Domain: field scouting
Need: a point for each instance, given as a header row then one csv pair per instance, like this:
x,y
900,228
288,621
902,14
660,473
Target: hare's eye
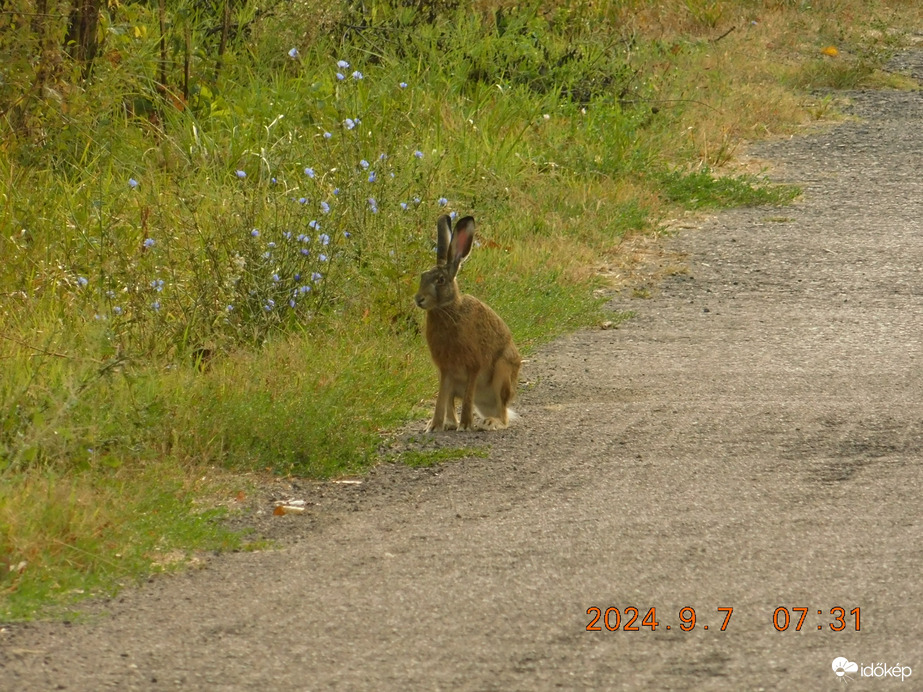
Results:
x,y
440,280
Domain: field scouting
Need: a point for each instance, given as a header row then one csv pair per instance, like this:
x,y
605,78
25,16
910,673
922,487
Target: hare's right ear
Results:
x,y
443,239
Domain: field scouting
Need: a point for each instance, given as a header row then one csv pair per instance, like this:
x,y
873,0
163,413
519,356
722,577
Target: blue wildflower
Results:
x,y
132,183
364,164
305,251
293,53
117,310
341,76
157,285
309,172
372,177
302,200
82,280
418,154
316,276
327,135
230,308
373,205
325,208
270,244
336,190
291,303
241,174
275,278
149,242
255,233
316,226
270,304
349,123
357,75
155,305
306,289
342,64
403,85
405,206
442,201
324,239
322,258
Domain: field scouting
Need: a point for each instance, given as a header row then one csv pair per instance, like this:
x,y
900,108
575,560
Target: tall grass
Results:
x,y
293,205
212,267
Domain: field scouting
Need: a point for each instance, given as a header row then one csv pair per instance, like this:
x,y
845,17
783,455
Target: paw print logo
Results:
x,y
842,666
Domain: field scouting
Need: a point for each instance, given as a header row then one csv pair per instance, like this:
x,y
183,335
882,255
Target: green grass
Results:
x,y
98,532
171,310
703,190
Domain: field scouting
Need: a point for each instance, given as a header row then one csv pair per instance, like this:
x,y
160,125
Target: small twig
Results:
x,y
95,556
17,13
700,103
715,40
36,348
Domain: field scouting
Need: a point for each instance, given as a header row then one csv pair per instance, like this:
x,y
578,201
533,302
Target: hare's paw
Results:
x,y
491,424
447,425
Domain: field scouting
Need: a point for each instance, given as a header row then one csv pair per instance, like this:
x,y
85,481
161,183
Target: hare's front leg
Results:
x,y
467,412
445,405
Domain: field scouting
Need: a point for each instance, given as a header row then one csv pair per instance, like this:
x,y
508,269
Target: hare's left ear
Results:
x,y
462,241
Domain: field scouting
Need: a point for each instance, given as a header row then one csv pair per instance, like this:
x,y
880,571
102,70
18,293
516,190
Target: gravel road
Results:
x,y
751,440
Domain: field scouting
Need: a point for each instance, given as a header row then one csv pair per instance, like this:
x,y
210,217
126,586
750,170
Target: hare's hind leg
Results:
x,y
493,399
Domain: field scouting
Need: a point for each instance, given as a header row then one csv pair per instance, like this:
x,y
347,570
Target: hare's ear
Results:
x,y
462,240
443,239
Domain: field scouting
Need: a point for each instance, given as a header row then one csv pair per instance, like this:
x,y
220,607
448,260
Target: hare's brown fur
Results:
x,y
471,346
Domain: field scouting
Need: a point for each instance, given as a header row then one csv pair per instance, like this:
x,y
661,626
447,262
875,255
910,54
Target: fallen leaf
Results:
x,y
831,51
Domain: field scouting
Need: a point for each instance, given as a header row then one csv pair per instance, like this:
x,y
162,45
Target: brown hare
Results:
x,y
472,347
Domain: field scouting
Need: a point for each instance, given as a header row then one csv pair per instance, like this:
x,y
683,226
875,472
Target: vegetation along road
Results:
x,y
721,494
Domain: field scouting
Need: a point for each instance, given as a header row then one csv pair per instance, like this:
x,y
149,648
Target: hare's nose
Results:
x,y
419,299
